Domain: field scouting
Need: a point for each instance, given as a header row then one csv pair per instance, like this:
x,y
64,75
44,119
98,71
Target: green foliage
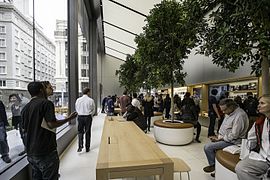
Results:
x,y
238,32
168,37
127,74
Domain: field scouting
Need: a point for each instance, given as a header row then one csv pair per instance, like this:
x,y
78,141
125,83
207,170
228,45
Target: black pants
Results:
x,y
45,167
211,128
199,127
84,126
148,119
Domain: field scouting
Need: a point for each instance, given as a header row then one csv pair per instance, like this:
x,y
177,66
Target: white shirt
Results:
x,y
265,149
85,106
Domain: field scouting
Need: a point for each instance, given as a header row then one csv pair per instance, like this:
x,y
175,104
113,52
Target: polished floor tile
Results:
x,y
82,166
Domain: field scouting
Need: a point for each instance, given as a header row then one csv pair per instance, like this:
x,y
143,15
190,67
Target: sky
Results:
x,y
46,13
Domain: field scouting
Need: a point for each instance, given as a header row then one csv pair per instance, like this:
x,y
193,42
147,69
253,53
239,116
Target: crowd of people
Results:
x,y
237,119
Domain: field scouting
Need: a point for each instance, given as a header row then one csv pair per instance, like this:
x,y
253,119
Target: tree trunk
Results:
x,y
265,75
172,100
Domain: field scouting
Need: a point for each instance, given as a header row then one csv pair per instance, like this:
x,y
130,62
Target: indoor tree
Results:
x,y
127,74
239,32
169,35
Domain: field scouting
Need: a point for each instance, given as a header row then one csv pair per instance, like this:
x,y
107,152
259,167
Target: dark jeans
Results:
x,y
148,119
84,126
44,167
211,129
4,149
199,127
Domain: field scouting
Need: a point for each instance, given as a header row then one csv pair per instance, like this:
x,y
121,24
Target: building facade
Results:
x,y
16,52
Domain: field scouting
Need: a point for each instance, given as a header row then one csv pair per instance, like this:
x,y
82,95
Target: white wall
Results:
x,y
200,68
109,80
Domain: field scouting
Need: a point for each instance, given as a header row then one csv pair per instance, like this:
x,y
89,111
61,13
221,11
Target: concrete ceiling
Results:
x,y
122,21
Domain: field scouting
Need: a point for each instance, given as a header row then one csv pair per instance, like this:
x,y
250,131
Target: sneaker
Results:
x,y
212,174
197,140
6,159
87,150
79,150
209,169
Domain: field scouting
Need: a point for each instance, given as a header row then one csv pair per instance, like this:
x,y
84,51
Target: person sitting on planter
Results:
x,y
257,165
190,114
232,131
134,114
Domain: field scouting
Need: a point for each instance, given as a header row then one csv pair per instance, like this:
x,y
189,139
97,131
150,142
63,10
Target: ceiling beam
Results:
x,y
120,42
116,50
133,10
118,27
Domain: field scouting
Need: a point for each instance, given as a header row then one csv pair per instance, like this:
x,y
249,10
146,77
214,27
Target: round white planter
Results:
x,y
173,133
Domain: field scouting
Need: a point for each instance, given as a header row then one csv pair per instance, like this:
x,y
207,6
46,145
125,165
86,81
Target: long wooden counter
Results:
x,y
125,151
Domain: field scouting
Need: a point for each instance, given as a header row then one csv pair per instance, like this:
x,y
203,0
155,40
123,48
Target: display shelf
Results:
x,y
244,91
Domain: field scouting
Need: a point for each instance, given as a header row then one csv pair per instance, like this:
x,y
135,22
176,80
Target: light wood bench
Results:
x,y
126,151
180,166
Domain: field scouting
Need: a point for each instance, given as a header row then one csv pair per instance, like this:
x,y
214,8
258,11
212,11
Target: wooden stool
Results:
x,y
180,166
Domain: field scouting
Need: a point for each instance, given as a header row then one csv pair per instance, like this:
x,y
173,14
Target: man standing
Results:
x,y
212,112
232,131
38,124
85,107
4,149
124,101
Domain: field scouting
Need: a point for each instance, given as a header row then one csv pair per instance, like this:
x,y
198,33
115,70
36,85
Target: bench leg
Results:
x,y
188,176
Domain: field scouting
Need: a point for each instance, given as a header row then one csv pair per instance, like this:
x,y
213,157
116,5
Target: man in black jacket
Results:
x,y
4,149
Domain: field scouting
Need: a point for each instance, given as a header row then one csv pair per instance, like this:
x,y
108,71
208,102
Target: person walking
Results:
x,y
4,149
39,137
85,107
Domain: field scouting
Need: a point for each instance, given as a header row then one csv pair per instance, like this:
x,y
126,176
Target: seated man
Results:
x,y
232,130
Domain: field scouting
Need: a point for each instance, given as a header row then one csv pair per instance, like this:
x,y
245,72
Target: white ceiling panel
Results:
x,y
119,35
122,17
119,47
115,54
143,6
122,21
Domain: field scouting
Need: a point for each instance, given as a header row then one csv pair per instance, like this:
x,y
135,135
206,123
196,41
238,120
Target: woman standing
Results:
x,y
148,103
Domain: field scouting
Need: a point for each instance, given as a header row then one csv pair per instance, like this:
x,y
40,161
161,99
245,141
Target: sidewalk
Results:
x,y
15,147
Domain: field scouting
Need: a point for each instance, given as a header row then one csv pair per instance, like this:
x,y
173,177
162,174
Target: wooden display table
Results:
x,y
125,151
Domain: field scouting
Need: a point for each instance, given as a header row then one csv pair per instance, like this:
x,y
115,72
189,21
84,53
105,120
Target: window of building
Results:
x,y
18,71
84,85
84,46
17,33
3,29
2,56
2,42
17,58
83,72
3,70
2,83
17,45
17,83
84,60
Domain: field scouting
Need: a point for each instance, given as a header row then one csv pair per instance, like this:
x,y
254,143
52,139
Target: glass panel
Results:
x,y
25,55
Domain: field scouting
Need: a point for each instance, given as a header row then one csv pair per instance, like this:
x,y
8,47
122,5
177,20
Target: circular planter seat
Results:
x,y
157,116
173,133
225,165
